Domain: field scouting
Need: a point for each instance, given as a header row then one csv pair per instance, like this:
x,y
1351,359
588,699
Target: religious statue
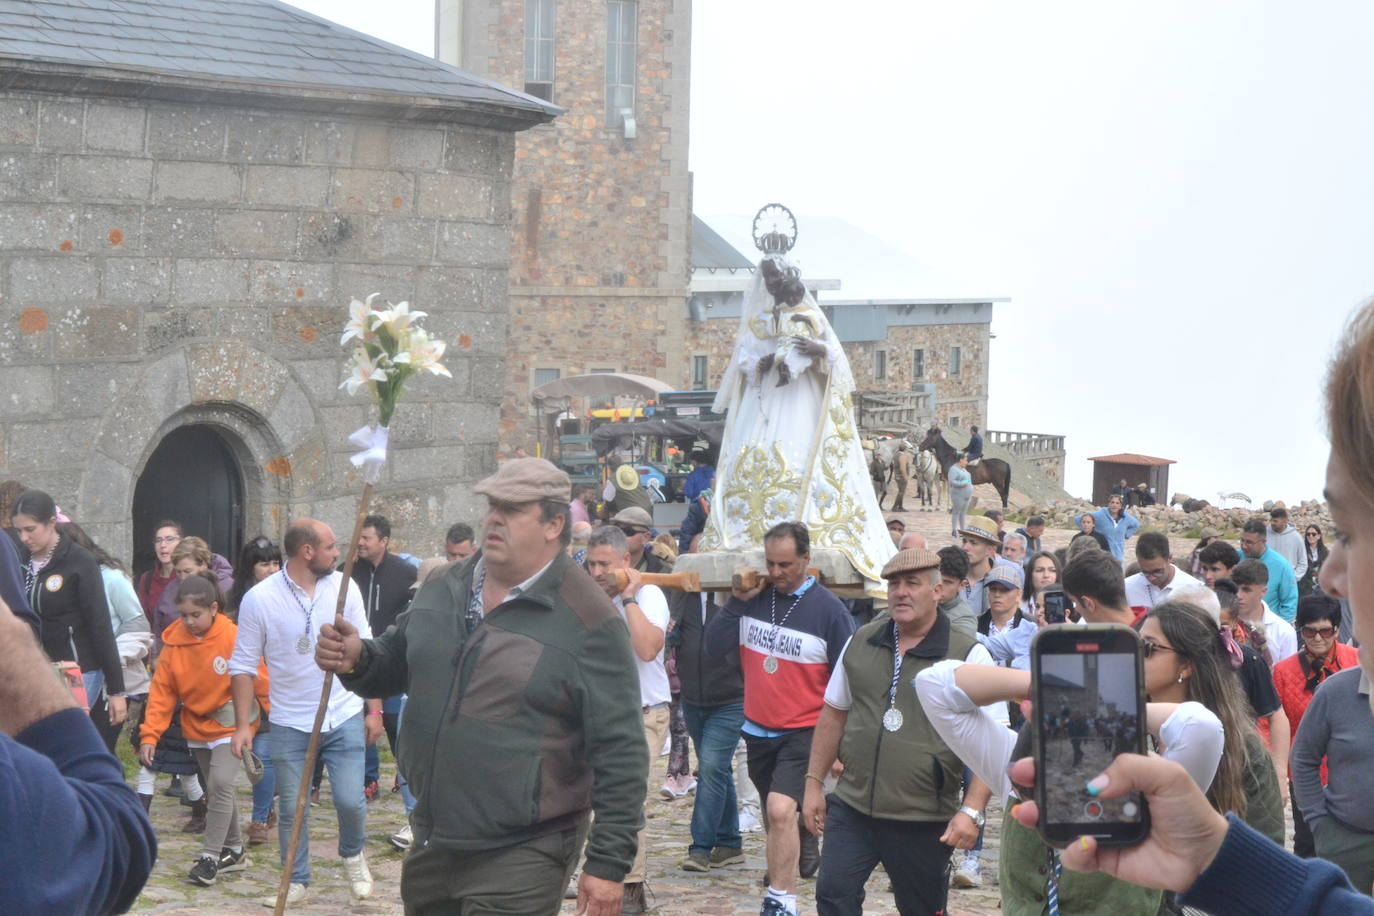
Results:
x,y
790,451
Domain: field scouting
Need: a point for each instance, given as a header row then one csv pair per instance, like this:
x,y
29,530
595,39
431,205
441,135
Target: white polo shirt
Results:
x,y
1141,592
272,619
653,675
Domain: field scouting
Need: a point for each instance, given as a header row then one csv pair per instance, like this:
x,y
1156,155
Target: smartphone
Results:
x,y
1087,686
1057,605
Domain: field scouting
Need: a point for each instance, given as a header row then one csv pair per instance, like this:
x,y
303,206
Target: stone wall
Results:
x,y
164,264
601,232
714,339
964,396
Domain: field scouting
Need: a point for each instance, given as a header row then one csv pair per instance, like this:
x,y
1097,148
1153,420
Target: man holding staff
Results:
x,y
280,620
523,715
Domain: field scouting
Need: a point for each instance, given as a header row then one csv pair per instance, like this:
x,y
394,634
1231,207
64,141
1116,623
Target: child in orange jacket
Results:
x,y
194,669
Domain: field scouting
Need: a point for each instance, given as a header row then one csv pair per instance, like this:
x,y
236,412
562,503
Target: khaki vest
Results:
x,y
909,774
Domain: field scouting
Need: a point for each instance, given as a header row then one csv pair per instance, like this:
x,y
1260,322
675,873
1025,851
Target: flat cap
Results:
x,y
1005,575
525,480
633,515
980,527
912,559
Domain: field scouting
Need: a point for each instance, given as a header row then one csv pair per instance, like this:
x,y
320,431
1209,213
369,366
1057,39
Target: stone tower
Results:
x,y
600,197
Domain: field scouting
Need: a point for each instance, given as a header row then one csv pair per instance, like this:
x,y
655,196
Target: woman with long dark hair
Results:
x,y
1315,545
1042,571
67,593
258,559
1186,658
133,638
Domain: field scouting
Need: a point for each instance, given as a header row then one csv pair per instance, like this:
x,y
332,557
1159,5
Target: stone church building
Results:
x,y
191,191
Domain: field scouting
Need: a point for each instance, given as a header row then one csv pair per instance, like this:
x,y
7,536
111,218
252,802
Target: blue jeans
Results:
x,y
342,753
715,732
267,786
406,798
93,681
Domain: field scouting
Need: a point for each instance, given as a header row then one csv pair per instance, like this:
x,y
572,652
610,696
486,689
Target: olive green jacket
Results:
x,y
519,728
909,774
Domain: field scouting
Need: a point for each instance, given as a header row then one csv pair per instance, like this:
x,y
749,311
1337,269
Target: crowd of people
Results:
x,y
526,677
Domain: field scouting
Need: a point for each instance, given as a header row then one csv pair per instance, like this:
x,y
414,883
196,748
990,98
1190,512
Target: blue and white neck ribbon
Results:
x,y
373,442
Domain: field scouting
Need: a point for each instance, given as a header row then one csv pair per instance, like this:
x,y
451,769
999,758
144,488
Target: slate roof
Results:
x,y
1132,458
262,44
711,252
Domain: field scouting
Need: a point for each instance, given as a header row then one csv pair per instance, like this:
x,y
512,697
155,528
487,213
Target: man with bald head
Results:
x,y
910,540
280,620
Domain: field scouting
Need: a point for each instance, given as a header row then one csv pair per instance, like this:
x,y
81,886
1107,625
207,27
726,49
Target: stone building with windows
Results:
x,y
601,197
191,191
610,269
938,348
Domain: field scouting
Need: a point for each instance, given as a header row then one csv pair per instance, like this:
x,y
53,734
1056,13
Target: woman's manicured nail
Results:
x,y
1083,844
1096,785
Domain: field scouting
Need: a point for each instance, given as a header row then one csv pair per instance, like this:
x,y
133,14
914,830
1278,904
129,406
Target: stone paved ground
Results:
x,y
733,890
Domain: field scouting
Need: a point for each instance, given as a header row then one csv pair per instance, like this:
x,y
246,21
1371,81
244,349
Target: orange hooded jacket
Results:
x,y
196,672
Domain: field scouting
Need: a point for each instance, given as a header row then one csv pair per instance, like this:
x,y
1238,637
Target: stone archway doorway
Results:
x,y
192,477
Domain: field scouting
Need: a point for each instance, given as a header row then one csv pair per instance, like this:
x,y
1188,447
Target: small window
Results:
x,y
699,371
600,371
955,359
918,364
953,421
880,364
539,48
544,376
622,24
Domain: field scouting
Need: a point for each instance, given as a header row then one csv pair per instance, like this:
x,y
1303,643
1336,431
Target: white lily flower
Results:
x,y
425,353
365,372
358,325
400,316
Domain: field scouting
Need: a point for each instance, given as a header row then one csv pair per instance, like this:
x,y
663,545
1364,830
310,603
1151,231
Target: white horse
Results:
x,y
931,485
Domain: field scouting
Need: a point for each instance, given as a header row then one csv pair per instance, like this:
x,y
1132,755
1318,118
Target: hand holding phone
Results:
x,y
1056,605
1087,687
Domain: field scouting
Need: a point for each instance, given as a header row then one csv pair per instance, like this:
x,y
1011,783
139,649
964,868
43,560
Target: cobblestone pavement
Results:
x,y
733,890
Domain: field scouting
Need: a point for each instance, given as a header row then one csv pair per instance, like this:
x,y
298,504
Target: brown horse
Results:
x,y
990,470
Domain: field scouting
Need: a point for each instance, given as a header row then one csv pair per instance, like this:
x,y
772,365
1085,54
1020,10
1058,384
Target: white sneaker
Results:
x,y
749,820
296,893
359,878
402,838
968,873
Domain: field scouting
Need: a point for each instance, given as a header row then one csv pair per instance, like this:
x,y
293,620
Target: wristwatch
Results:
x,y
974,815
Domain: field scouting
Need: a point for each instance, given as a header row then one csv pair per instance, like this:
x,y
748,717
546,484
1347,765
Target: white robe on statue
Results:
x,y
791,452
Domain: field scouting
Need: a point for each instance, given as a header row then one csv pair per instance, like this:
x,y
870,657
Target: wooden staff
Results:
x,y
311,749
687,581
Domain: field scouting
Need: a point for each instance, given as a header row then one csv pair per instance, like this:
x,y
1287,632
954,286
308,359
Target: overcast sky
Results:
x,y
1175,196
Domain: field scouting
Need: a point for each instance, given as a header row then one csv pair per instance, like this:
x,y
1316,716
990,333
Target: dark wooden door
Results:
x,y
192,478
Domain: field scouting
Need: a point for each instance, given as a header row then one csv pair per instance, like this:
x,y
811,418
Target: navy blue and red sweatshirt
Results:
x,y
807,648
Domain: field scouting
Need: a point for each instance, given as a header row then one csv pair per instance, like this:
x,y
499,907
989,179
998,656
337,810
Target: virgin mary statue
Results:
x,y
790,451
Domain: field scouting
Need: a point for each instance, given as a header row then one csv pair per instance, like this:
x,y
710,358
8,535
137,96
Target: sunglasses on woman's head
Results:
x,y
263,544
